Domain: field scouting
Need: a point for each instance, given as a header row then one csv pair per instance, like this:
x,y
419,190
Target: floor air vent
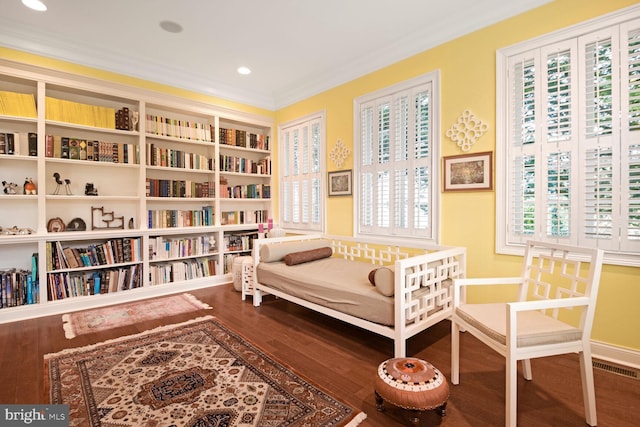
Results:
x,y
616,369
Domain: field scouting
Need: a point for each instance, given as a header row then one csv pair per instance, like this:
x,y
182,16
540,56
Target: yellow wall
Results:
x,y
468,219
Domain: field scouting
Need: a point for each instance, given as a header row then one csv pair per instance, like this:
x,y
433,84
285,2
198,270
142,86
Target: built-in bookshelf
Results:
x,y
113,193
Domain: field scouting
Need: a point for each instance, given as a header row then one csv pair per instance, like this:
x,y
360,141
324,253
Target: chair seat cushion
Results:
x,y
534,327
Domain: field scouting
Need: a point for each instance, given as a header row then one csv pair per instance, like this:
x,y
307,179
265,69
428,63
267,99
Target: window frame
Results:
x,y
431,79
573,34
299,123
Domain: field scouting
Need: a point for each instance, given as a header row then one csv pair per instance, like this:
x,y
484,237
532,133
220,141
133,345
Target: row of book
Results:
x,y
182,270
249,191
113,251
244,165
241,138
18,287
244,217
227,262
163,248
239,241
19,143
69,285
177,128
63,147
178,188
171,218
62,110
167,157
18,104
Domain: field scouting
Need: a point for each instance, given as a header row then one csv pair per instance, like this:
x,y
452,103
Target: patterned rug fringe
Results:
x,y
196,301
127,337
357,420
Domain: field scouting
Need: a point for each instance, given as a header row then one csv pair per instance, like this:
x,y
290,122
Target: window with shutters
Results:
x,y
302,188
568,149
396,160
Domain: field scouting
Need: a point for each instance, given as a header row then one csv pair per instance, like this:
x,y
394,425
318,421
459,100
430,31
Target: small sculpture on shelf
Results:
x,y
29,187
90,189
59,182
98,216
135,118
10,187
16,231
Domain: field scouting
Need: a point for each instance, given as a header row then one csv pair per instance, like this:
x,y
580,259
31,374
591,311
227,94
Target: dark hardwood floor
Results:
x,y
343,359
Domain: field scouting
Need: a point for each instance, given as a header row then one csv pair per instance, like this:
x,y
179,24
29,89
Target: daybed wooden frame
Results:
x,y
413,311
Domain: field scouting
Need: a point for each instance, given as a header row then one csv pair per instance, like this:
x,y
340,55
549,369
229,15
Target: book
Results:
x,y
74,149
82,144
33,144
64,153
57,146
48,147
91,149
10,141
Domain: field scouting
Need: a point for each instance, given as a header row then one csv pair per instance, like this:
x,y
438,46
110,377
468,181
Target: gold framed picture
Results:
x,y
340,183
469,172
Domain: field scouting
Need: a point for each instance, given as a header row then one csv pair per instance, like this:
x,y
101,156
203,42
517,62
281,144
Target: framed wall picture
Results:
x,y
340,183
469,172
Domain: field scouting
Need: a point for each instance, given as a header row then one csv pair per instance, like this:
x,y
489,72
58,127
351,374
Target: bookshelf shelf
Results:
x,y
114,137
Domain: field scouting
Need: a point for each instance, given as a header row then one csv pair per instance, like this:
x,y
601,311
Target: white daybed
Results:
x,y
418,284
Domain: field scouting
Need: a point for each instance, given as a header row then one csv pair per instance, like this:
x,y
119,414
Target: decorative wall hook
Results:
x,y
467,130
339,153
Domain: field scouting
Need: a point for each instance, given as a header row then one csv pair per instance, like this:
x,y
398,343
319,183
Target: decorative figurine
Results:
x,y
59,182
29,186
135,117
90,190
10,187
99,216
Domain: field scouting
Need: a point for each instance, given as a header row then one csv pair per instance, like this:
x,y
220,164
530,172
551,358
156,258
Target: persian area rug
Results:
x,y
102,319
196,373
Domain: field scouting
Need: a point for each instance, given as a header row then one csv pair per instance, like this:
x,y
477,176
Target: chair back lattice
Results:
x,y
557,271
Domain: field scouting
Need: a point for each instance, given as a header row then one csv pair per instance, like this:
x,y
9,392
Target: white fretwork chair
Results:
x,y
553,315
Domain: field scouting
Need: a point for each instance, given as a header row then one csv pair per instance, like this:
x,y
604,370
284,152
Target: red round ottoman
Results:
x,y
412,384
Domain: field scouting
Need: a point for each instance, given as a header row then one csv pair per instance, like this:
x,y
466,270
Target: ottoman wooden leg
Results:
x,y
379,402
414,418
442,409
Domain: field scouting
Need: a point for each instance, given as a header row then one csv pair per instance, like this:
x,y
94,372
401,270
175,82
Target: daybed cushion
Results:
x,y
273,252
295,258
332,282
383,278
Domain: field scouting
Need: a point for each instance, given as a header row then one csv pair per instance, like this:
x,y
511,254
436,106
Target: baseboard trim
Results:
x,y
618,355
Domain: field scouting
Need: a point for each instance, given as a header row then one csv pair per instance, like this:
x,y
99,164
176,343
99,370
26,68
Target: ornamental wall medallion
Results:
x,y
339,153
467,130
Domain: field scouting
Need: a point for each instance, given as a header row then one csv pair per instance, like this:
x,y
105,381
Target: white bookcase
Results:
x,y
171,188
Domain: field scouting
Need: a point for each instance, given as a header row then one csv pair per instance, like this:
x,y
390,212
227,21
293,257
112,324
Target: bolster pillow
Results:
x,y
273,252
384,279
306,256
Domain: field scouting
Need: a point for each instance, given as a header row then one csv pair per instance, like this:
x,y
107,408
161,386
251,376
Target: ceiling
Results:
x,y
295,48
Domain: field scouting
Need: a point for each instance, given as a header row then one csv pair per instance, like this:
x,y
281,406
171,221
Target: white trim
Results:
x,y
619,355
432,78
502,126
320,116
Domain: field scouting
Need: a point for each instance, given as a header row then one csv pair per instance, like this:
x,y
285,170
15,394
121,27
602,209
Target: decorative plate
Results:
x,y
77,224
55,225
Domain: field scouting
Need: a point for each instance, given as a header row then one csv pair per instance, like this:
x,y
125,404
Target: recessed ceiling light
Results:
x,y
244,70
35,5
171,27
